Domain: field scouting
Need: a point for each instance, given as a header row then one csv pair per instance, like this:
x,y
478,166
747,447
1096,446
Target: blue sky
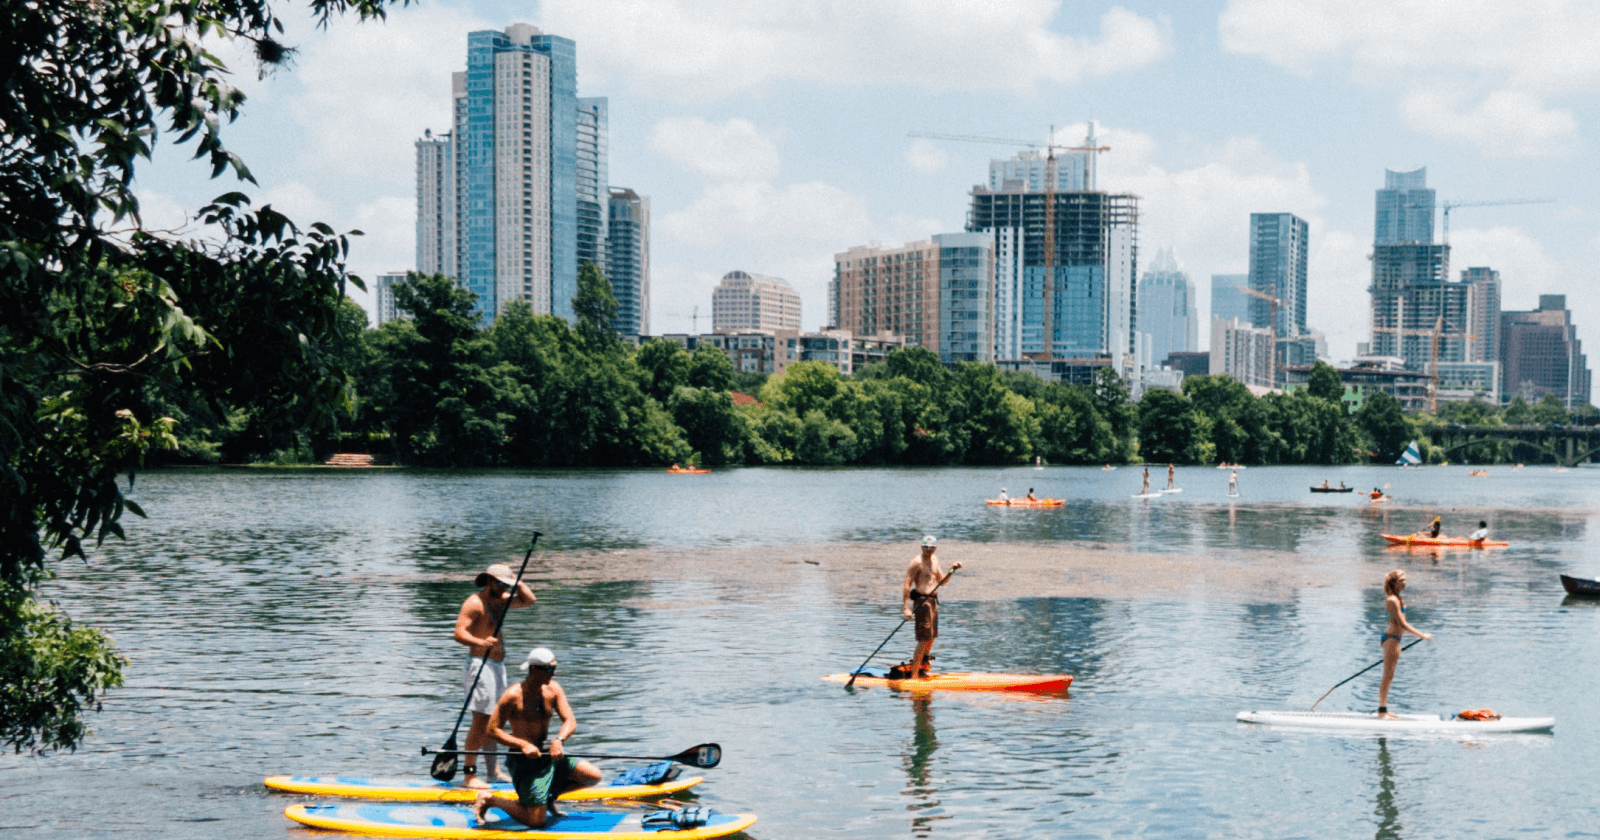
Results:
x,y
770,136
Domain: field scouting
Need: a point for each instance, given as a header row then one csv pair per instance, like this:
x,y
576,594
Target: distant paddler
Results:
x,y
486,681
1393,584
1233,483
1144,490
1171,471
919,600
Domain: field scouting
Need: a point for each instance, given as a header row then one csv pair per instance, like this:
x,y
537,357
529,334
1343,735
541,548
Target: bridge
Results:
x,y
1567,446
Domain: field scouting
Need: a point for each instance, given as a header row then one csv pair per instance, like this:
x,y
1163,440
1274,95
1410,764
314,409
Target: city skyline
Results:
x,y
772,138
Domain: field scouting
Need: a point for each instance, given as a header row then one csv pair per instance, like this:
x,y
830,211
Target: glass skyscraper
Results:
x,y
1167,308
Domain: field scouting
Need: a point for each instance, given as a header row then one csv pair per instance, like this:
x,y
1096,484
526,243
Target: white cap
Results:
x,y
930,541
540,656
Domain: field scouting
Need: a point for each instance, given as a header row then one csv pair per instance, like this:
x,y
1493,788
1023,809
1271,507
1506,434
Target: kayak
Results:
x,y
1453,542
1333,489
1370,722
688,472
1581,586
1026,502
962,681
375,819
429,790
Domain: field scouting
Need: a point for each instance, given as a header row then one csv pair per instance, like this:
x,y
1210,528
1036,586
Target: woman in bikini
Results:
x,y
1394,583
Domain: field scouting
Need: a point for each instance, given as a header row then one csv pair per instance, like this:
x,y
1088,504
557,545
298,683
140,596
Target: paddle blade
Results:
x,y
444,763
705,755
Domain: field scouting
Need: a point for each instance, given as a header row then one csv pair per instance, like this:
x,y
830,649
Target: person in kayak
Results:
x,y
538,775
1394,583
919,600
1003,497
1481,534
1030,495
475,628
1433,529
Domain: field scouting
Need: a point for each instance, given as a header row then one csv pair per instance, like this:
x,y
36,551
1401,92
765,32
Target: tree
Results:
x,y
1549,409
101,319
1171,431
1324,382
1384,424
595,305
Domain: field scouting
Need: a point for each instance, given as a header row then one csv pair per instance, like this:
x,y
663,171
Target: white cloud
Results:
x,y
1479,71
926,158
708,48
734,150
1526,269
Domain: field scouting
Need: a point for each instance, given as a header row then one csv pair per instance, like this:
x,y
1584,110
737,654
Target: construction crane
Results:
x,y
1433,355
1451,205
1273,305
1050,148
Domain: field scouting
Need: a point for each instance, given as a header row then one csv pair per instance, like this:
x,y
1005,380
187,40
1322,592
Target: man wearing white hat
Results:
x,y
539,775
919,599
475,628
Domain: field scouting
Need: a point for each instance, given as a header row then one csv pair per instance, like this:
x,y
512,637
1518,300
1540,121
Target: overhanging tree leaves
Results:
x,y
100,319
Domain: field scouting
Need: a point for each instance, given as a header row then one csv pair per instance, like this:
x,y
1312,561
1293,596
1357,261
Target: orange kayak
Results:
x,y
688,472
964,681
1453,542
1026,502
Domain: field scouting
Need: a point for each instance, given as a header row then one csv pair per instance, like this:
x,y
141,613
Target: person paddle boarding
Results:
x,y
486,681
919,600
538,775
1394,583
1233,483
1171,471
1145,489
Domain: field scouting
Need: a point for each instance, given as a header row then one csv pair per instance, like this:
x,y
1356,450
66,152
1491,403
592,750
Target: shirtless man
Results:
x,y
1171,471
538,776
919,599
475,628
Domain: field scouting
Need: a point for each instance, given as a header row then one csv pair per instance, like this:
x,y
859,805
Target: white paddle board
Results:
x,y
1370,722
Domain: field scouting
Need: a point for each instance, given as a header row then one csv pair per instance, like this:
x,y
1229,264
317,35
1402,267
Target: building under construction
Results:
x,y
1066,258
1418,314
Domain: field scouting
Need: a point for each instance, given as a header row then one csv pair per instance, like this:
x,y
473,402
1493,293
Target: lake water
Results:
x,y
299,622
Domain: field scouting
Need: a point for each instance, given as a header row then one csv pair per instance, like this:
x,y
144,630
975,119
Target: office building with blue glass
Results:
x,y
527,163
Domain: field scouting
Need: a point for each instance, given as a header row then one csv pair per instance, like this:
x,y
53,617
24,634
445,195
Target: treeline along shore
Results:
x,y
437,388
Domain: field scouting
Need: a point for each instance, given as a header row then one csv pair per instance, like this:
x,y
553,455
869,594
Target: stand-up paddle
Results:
x,y
1353,676
700,755
444,766
857,672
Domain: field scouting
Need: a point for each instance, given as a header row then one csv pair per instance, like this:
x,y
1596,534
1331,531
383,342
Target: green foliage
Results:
x,y
1384,425
51,671
1517,412
1550,410
1324,382
595,305
1171,430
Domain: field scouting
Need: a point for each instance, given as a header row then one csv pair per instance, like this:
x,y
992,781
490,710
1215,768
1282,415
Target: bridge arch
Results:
x,y
1516,443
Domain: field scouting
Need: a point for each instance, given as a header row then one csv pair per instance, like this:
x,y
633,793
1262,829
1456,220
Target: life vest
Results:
x,y
1479,714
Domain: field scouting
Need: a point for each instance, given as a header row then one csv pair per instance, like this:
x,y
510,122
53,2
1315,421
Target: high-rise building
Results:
x,y
527,168
594,194
628,259
1418,314
1278,260
1066,258
1483,314
1168,308
1541,354
1227,301
744,301
436,205
966,298
383,297
888,290
1242,352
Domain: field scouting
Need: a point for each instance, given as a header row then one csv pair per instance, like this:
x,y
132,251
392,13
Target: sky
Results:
x,y
771,136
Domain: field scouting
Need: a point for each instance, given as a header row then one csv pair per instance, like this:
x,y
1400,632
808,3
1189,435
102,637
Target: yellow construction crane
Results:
x,y
1050,147
1433,355
1273,305
1451,205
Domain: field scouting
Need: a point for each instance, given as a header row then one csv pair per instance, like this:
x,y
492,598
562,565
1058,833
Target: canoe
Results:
x,y
375,819
962,681
429,790
1026,502
1581,586
1333,489
1446,542
1370,722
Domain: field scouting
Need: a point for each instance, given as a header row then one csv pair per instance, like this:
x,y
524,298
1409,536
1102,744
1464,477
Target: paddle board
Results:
x,y
1173,490
458,821
1449,542
962,681
1370,722
1155,495
429,790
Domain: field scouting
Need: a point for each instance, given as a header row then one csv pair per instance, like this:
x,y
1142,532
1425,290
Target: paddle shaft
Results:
x,y
498,623
700,755
857,672
1353,676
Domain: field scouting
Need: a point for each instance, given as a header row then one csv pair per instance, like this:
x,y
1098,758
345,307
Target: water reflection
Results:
x,y
924,741
1388,810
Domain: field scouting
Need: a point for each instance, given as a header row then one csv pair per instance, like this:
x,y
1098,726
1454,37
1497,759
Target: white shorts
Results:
x,y
490,686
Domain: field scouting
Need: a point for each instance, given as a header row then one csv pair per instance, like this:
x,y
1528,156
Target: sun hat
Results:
x,y
498,571
541,657
930,541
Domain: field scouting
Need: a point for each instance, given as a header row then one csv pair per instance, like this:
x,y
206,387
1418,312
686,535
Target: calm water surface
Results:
x,y
299,622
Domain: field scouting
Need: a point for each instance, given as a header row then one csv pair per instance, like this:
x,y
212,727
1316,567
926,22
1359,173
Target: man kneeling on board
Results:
x,y
539,776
